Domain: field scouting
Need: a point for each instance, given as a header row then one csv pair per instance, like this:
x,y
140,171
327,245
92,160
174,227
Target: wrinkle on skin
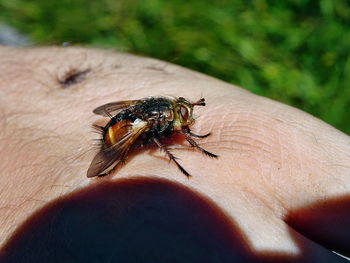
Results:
x,y
270,161
3,120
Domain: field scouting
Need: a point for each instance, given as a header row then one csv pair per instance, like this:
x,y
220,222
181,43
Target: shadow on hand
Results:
x,y
134,220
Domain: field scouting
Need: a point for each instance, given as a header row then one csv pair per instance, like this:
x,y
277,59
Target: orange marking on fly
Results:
x,y
111,136
116,132
155,118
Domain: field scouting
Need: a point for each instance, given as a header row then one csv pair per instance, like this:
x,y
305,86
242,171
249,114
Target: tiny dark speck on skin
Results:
x,y
73,77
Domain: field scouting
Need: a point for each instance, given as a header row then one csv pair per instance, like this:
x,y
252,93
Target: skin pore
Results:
x,y
276,162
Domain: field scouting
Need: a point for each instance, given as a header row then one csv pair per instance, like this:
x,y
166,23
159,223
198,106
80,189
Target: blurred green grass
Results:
x,y
296,52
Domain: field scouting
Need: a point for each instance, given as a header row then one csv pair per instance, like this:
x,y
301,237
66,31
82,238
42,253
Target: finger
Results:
x,y
327,223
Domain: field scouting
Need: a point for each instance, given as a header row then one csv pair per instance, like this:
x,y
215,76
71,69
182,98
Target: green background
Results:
x,y
296,52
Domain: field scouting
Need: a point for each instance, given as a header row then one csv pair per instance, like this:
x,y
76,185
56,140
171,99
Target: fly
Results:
x,y
140,122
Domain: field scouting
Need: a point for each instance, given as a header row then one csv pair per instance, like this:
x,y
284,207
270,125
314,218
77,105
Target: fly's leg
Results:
x,y
187,130
171,157
198,136
195,145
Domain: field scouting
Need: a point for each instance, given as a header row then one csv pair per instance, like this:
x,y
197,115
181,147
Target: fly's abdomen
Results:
x,y
117,132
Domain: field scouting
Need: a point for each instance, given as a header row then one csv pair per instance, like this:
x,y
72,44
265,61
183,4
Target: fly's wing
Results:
x,y
118,151
113,107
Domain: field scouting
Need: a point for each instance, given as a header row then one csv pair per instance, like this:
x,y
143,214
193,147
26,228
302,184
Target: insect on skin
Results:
x,y
140,122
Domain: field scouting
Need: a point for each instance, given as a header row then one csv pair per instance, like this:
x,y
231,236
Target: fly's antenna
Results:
x,y
200,102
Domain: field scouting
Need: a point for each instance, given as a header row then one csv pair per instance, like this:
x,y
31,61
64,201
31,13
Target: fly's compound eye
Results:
x,y
184,113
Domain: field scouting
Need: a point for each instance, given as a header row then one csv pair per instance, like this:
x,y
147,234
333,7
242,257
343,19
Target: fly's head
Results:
x,y
183,112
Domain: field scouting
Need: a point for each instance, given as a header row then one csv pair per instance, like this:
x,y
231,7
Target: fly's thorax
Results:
x,y
138,124
159,118
168,114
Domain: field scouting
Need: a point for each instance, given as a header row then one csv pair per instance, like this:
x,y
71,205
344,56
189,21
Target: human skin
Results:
x,y
274,159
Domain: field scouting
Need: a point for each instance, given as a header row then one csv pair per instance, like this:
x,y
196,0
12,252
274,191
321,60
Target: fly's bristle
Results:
x,y
97,128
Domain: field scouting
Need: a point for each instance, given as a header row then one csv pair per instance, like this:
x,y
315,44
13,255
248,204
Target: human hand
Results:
x,y
279,191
